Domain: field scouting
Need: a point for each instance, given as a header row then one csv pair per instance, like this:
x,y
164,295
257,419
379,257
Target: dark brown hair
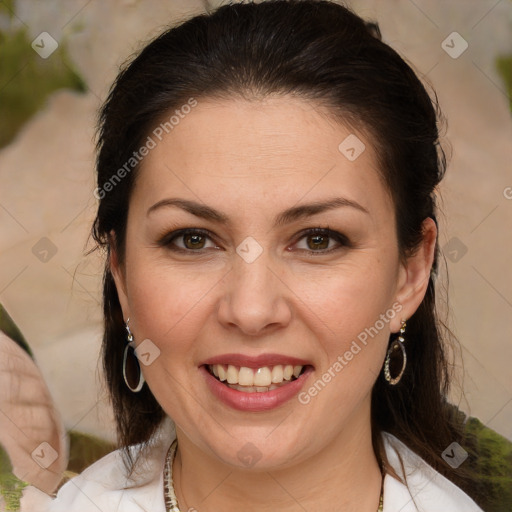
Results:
x,y
324,53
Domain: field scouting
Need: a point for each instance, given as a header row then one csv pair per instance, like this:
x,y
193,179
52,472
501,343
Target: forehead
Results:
x,y
259,152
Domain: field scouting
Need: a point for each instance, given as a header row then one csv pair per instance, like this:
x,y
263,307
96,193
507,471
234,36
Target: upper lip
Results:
x,y
255,361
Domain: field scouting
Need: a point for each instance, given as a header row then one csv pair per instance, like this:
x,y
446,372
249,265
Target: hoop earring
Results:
x,y
132,374
396,345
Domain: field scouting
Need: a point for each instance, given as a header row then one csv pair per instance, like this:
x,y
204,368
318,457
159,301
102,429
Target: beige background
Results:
x,y
47,180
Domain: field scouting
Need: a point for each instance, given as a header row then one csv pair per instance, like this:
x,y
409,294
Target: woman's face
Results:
x,y
250,288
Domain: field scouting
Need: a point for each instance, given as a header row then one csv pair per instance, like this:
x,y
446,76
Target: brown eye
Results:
x,y
193,241
318,242
187,240
322,241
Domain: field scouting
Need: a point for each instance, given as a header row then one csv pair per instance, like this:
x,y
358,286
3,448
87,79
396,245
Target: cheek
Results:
x,y
349,298
169,307
167,304
352,307
352,330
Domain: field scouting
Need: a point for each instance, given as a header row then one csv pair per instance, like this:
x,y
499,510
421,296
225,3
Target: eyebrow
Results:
x,y
287,216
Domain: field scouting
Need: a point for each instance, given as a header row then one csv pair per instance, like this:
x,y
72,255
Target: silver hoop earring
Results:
x,y
132,374
396,346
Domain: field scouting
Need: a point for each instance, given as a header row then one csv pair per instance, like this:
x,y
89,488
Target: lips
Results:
x,y
255,383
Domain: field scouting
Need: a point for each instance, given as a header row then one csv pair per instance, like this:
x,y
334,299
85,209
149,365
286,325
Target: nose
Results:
x,y
256,298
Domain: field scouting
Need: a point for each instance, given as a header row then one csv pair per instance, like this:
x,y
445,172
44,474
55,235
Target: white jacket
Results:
x,y
103,488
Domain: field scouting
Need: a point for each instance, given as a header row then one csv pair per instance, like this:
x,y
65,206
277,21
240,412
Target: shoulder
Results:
x,y
105,485
426,489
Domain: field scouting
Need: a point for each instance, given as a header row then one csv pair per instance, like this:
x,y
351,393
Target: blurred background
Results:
x,y
57,60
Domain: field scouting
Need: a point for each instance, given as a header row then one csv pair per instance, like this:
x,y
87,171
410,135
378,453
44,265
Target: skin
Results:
x,y
251,160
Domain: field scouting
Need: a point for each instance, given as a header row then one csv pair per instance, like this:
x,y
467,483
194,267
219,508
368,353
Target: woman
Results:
x,y
266,186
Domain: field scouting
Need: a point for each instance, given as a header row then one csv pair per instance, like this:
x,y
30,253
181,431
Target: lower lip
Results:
x,y
257,401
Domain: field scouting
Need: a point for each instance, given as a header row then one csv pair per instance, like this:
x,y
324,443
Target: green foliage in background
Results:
x,y
26,80
84,450
504,65
10,486
491,463
7,7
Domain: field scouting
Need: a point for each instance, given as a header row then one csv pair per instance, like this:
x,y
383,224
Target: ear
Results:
x,y
118,273
414,275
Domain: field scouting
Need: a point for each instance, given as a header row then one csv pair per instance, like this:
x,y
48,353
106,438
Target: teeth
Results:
x,y
232,374
262,377
253,389
221,371
255,380
277,374
246,377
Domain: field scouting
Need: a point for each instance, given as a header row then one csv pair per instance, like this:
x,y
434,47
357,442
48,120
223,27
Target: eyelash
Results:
x,y
167,240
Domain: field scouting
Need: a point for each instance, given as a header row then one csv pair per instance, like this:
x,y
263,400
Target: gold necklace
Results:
x,y
171,501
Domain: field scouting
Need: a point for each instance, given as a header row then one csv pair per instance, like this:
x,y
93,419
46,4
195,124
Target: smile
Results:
x,y
255,380
255,383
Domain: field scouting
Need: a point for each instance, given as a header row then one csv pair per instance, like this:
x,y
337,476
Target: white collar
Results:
x,y
426,489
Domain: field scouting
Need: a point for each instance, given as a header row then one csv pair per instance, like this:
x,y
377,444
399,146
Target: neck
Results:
x,y
345,475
